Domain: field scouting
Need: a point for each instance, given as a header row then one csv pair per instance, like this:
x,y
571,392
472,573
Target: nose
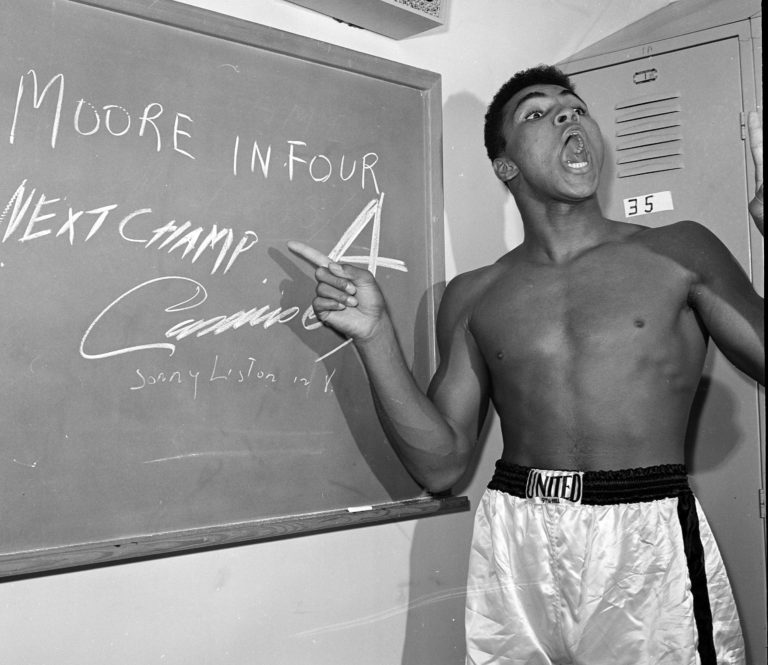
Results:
x,y
566,115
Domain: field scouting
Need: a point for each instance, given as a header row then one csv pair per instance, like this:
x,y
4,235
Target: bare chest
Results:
x,y
601,305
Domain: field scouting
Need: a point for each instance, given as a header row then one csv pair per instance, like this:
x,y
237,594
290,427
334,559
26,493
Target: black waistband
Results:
x,y
604,487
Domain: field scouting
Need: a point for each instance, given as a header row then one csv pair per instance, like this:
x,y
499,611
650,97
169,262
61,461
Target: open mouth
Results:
x,y
575,153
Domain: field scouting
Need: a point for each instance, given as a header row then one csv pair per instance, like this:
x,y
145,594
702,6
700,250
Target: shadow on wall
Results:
x,y
474,197
474,204
711,439
353,394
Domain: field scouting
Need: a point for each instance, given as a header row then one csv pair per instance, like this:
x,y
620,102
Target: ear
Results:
x,y
505,169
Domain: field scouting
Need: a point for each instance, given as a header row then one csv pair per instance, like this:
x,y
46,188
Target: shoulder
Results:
x,y
707,262
688,243
686,233
469,283
463,291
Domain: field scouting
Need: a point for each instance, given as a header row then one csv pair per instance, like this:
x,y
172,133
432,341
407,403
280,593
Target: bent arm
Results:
x,y
433,434
729,307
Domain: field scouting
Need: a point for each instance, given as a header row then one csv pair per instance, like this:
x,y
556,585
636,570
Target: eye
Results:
x,y
533,115
580,110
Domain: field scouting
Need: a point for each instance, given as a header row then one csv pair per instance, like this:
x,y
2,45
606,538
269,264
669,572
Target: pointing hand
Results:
x,y
347,298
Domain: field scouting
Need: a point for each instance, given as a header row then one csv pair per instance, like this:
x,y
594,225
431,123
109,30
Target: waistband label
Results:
x,y
545,486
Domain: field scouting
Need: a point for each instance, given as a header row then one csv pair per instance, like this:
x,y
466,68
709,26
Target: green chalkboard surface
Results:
x,y
164,384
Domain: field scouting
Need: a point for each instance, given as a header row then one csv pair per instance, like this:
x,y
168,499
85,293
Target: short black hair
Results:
x,y
494,117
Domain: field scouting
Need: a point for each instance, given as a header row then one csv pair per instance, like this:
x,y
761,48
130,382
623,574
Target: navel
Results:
x,y
500,355
639,323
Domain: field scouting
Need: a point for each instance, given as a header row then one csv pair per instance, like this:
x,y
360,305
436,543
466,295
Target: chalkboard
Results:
x,y
165,385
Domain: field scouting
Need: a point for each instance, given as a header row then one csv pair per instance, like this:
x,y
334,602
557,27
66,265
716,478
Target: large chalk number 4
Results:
x,y
371,213
372,261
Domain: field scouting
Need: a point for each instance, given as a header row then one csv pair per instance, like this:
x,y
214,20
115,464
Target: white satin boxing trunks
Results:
x,y
597,567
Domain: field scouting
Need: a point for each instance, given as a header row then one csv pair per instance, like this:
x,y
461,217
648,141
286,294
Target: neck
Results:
x,y
557,230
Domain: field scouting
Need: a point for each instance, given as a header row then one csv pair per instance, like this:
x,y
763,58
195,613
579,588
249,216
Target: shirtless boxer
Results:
x,y
589,338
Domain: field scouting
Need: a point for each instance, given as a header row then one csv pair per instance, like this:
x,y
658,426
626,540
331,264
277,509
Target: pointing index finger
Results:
x,y
312,255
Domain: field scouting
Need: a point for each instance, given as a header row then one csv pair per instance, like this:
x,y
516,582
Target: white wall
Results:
x,y
382,595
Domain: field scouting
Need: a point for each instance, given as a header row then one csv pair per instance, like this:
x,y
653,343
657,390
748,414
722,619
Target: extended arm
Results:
x,y
726,302
728,305
433,435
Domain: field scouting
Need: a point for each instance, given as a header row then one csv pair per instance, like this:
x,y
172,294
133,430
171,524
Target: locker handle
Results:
x,y
646,75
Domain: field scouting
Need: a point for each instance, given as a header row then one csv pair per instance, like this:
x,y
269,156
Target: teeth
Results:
x,y
579,143
576,147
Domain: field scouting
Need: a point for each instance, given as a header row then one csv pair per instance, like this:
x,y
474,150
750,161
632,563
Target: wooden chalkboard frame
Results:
x,y
89,555
211,24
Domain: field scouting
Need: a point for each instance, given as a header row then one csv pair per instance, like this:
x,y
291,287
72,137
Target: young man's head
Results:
x,y
541,139
494,117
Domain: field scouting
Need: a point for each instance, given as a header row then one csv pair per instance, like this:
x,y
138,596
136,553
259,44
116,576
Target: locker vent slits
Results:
x,y
649,136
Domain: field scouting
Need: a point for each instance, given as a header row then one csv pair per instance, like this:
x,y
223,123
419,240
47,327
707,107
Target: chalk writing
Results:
x,y
88,119
265,316
173,131
198,295
32,214
319,167
248,373
50,213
